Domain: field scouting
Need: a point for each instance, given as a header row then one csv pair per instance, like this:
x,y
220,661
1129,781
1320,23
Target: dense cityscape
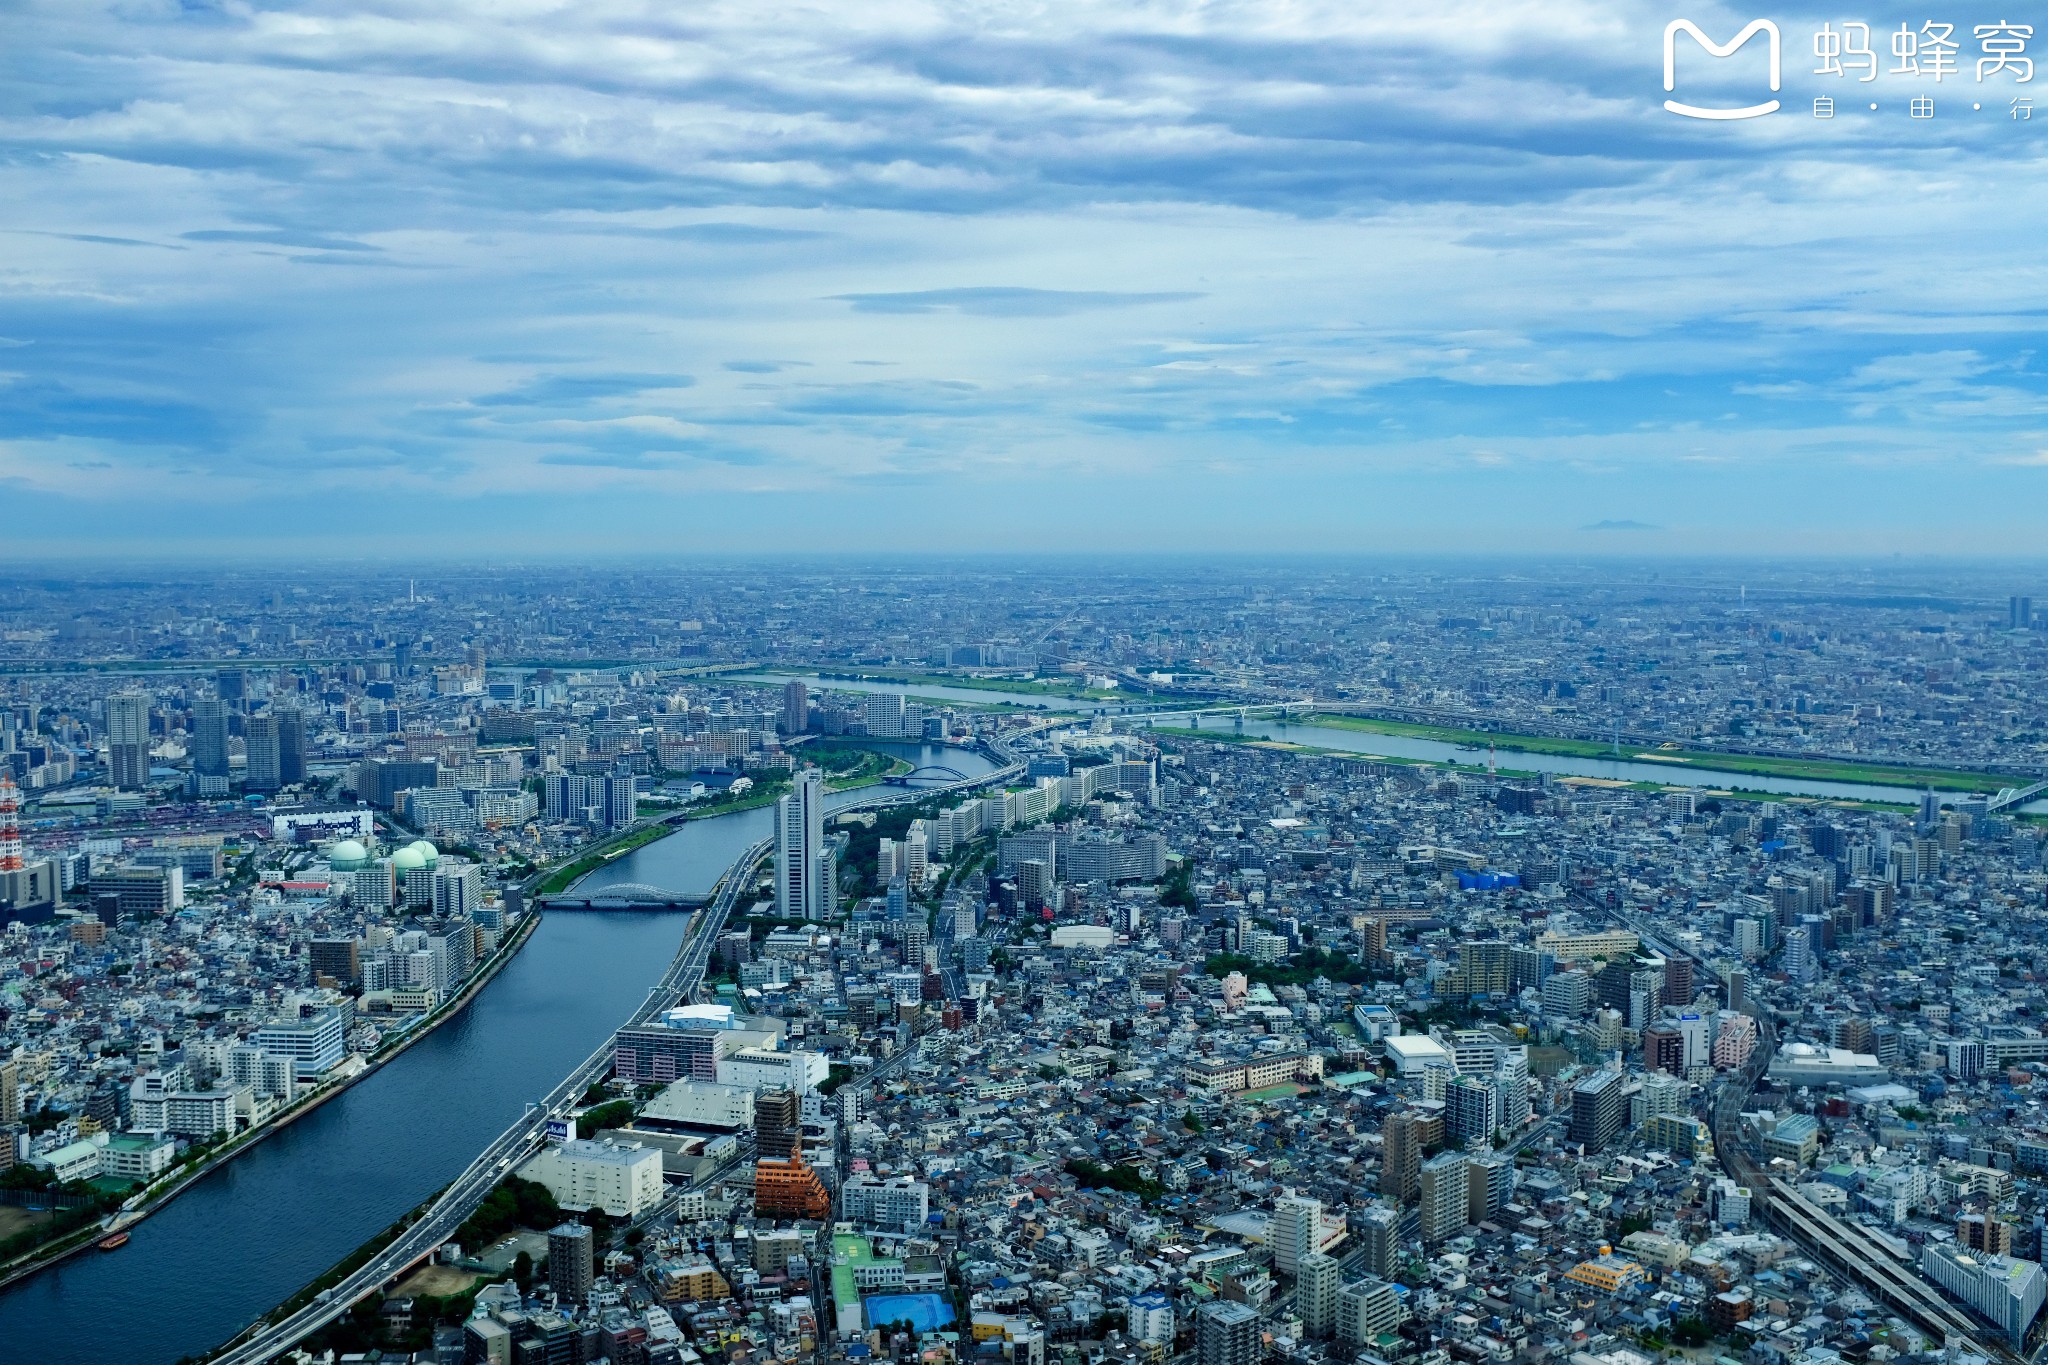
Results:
x,y
1055,962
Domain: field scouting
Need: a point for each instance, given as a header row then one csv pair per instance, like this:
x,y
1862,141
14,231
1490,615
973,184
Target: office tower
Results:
x,y
621,800
2019,613
128,739
210,737
1444,1195
1402,1138
266,765
1315,1293
778,1128
801,862
572,1262
1471,1110
232,684
796,707
10,1091
1598,1109
291,745
1367,1308
1296,1231
1227,1333
1738,989
1379,1236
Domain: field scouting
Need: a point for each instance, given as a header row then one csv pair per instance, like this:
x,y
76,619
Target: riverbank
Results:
x,y
1730,791
1817,769
154,1200
568,873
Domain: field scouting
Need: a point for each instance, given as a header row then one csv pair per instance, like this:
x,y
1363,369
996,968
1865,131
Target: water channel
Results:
x,y
254,1232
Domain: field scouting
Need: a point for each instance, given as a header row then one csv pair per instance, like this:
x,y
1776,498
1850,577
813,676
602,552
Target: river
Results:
x,y
1624,769
690,860
1433,750
257,1230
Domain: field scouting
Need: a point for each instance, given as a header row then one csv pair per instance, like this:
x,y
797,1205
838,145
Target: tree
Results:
x,y
522,1269
1692,1333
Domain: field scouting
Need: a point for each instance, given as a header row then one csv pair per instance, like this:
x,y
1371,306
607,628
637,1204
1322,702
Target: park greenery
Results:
x,y
1301,969
1093,1175
615,1114
515,1203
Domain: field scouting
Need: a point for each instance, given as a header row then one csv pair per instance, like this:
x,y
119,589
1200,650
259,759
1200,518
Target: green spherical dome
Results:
x,y
429,855
407,858
348,855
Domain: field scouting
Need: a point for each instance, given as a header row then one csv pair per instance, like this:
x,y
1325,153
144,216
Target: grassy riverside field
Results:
x,y
1022,687
1727,793
1756,765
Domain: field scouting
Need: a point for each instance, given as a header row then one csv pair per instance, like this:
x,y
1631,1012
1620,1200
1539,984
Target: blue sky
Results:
x,y
484,275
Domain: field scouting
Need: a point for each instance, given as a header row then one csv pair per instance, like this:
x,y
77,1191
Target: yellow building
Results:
x,y
1608,1273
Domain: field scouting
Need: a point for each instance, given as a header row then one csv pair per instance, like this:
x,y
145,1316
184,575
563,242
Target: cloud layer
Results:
x,y
1332,274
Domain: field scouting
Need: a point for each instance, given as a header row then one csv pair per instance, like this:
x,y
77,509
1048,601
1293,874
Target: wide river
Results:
x,y
1626,769
253,1233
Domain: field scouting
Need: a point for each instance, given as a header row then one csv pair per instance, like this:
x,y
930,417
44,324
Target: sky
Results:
x,y
478,276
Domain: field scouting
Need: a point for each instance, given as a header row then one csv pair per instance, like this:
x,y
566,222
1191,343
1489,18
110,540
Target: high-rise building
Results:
x,y
265,772
128,739
2019,613
796,707
1599,1109
1444,1195
1315,1293
572,1262
1378,1230
1798,957
778,1126
1294,1231
1489,1183
10,1091
1402,1138
1227,1333
802,864
210,737
1471,1110
291,745
1678,981
621,800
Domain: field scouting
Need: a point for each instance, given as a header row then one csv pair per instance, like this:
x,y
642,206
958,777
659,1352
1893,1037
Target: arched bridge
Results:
x,y
930,772
624,896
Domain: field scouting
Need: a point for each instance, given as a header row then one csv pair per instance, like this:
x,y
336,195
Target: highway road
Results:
x,y
268,1339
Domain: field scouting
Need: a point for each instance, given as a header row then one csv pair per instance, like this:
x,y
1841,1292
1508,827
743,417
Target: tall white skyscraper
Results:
x,y
802,867
1296,1231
